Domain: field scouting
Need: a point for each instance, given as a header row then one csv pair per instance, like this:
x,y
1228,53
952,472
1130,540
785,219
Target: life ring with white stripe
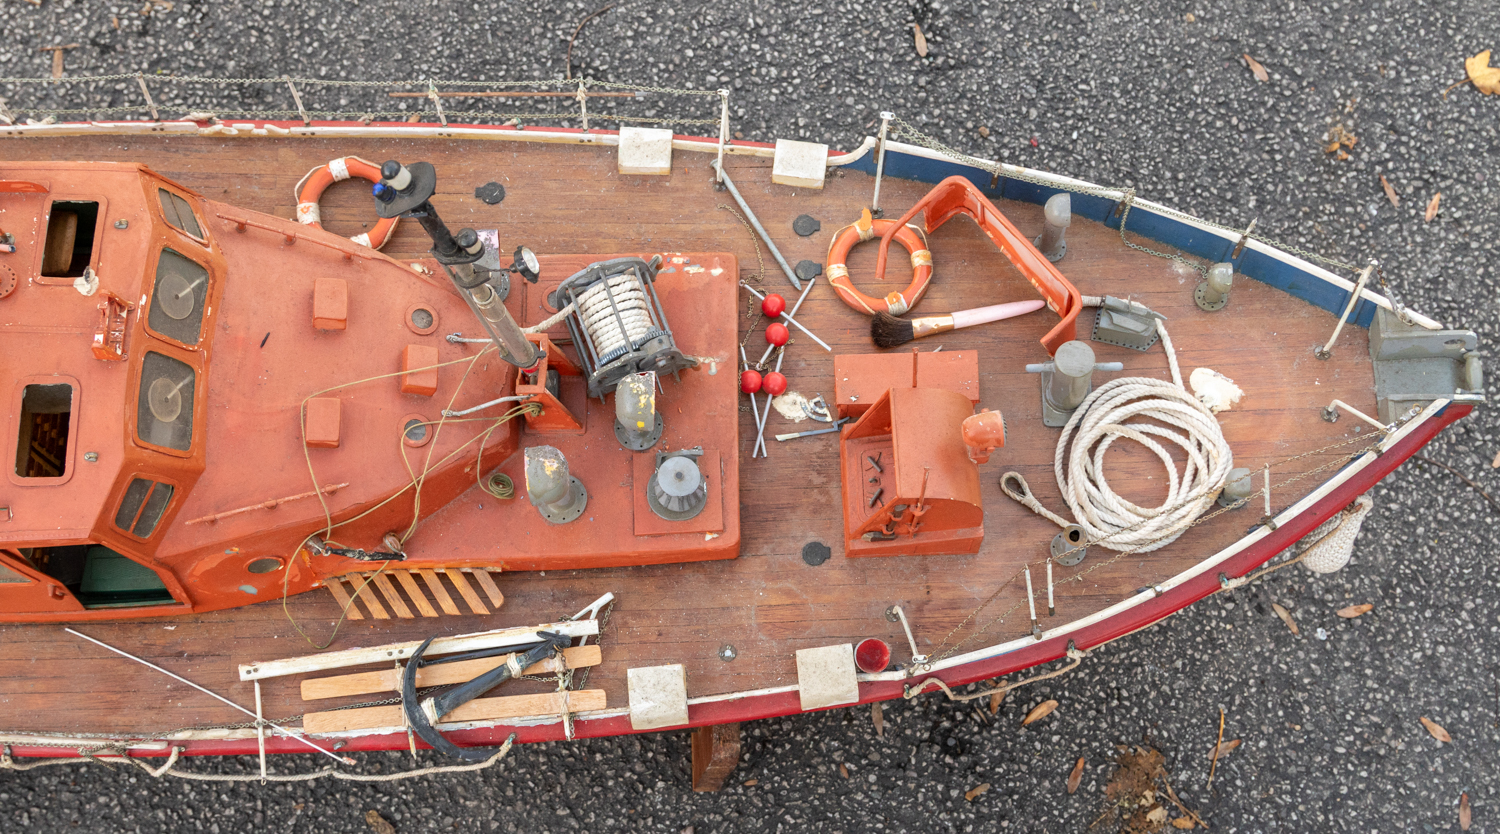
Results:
x,y
311,188
868,228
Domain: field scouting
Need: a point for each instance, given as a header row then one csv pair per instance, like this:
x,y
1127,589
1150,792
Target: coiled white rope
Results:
x,y
598,315
1124,409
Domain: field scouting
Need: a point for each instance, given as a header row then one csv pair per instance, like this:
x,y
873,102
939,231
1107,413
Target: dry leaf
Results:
x,y
1465,816
844,770
1496,464
378,823
1183,823
977,791
1076,776
877,715
1354,611
1486,79
750,783
984,131
1000,696
1255,67
1157,815
1039,712
1437,731
1224,747
1339,138
1432,210
1390,191
921,40
1190,18
1286,617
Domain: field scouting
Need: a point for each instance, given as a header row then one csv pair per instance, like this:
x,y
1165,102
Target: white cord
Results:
x,y
598,315
1133,408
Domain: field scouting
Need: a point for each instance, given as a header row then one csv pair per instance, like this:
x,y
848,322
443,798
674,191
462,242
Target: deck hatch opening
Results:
x,y
177,302
42,436
144,504
70,238
178,214
164,414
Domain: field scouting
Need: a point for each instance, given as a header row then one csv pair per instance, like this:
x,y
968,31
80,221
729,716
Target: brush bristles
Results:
x,y
889,331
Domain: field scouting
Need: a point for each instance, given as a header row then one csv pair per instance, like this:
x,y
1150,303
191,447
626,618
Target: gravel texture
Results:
x,y
1150,94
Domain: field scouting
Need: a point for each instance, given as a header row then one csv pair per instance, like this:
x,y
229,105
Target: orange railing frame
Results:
x,y
956,195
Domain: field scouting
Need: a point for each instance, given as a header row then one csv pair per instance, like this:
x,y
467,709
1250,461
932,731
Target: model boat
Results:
x,y
235,427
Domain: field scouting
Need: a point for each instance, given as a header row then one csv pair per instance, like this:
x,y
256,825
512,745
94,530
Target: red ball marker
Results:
x,y
777,334
774,384
773,305
750,382
872,655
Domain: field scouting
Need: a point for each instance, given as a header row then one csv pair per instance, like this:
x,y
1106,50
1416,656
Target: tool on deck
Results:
x,y
795,435
817,409
888,331
786,317
755,223
424,714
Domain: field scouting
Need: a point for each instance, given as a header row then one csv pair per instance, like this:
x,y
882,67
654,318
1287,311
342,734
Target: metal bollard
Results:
x,y
1213,292
551,488
637,425
1237,487
1067,380
1059,214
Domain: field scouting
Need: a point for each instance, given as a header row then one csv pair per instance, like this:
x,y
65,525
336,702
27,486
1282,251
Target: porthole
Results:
x,y
265,564
422,320
415,430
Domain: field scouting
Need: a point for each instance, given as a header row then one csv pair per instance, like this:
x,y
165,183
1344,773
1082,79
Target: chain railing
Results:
x,y
164,97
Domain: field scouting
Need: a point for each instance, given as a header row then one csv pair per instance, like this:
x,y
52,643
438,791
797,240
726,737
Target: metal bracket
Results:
x,y
1414,366
1126,324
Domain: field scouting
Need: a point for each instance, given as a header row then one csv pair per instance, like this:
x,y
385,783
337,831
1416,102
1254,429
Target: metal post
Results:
x,y
298,100
583,105
759,229
437,102
140,78
1326,351
260,732
723,132
885,122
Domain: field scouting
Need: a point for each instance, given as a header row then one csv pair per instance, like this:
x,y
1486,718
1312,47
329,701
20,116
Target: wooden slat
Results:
x,y
336,588
479,709
466,590
364,593
491,590
389,592
389,680
439,593
414,591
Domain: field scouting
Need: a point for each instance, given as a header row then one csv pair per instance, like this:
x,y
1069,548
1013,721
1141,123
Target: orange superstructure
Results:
x,y
167,355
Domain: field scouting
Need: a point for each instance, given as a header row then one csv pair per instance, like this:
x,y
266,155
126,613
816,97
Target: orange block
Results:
x,y
323,422
330,303
414,380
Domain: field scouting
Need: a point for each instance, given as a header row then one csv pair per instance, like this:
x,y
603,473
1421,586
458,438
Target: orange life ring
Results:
x,y
338,170
867,228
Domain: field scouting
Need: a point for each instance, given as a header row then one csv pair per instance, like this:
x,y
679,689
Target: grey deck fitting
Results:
x,y
1126,324
1414,366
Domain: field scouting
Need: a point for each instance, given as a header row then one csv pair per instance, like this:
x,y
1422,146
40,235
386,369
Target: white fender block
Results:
x,y
801,164
658,696
645,150
826,676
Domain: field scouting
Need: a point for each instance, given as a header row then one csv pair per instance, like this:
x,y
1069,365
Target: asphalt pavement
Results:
x,y
1154,95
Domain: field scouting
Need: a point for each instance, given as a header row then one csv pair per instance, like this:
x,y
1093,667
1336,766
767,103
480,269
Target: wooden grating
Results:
x,y
369,588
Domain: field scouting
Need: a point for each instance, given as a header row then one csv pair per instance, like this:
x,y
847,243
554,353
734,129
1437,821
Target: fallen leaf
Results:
x,y
877,715
1354,611
1157,815
1437,731
1390,191
1000,696
1486,78
750,783
1286,617
299,806
1339,138
1076,776
844,770
977,791
1224,747
1496,463
1189,18
377,823
1039,712
1183,823
922,40
984,131
1465,816
1432,210
1255,67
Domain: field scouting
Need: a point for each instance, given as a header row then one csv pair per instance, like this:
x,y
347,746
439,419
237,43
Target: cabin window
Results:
x,y
10,576
177,301
70,238
176,211
42,439
164,413
100,577
141,509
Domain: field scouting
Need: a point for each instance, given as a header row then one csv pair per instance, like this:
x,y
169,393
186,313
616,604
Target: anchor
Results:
x,y
423,716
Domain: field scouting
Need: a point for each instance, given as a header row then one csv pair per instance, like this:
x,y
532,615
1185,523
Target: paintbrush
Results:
x,y
889,331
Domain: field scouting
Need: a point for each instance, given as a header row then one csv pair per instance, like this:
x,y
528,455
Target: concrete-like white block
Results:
x,y
645,150
658,696
802,164
826,676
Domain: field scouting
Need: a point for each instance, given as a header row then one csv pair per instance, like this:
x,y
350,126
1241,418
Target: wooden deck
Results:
x,y
768,602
